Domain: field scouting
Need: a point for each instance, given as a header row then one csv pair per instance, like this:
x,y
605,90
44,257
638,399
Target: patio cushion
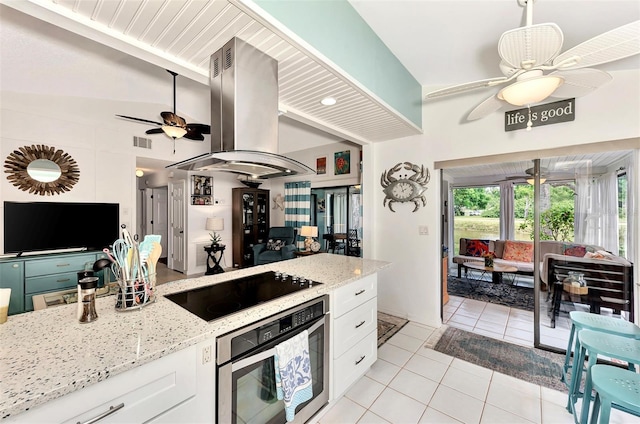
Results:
x,y
577,250
521,251
476,247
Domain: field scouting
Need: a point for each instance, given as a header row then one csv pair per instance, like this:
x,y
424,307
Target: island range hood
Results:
x,y
244,116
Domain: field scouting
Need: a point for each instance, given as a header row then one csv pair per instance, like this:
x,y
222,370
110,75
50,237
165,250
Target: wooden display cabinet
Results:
x,y
250,223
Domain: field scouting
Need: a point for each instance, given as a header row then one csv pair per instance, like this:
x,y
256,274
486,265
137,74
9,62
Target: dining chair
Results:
x,y
353,243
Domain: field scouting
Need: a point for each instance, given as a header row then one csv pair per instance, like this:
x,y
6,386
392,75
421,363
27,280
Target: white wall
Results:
x,y
410,287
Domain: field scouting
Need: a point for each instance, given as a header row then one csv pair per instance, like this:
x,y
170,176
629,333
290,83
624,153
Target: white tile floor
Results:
x,y
411,383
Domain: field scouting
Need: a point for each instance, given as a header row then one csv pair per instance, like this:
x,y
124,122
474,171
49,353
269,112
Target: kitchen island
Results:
x,y
47,354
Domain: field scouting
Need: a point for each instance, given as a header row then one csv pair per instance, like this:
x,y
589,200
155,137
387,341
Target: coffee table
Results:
x,y
496,271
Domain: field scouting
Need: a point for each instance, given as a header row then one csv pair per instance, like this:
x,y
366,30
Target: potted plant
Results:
x,y
488,259
215,239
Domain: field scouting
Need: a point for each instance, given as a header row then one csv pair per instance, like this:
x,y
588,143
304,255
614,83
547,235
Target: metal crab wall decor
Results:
x,y
405,187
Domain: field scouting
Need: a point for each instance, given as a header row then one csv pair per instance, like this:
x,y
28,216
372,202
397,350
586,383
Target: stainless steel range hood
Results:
x,y
244,116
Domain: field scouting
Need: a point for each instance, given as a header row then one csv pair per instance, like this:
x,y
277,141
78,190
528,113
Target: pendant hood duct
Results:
x,y
244,116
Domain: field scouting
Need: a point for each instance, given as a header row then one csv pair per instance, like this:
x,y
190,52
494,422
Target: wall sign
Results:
x,y
550,113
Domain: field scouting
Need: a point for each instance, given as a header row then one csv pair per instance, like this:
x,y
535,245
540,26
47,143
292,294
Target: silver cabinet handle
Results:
x,y
360,360
111,410
63,280
360,292
360,325
62,265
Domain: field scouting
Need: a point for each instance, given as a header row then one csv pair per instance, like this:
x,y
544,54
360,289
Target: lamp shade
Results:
x,y
174,132
532,180
309,231
532,89
215,224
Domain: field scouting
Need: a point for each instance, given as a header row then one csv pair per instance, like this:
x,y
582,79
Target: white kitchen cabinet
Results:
x,y
354,332
152,392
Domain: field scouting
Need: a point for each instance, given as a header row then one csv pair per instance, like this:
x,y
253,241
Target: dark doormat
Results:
x,y
525,363
388,325
501,294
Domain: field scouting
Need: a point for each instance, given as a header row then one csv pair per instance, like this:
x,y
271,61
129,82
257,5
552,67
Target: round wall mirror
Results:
x,y
42,170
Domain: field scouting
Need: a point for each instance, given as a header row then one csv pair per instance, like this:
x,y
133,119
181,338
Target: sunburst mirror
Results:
x,y
42,170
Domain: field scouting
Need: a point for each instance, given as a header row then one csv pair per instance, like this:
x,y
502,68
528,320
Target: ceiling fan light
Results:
x,y
532,90
174,132
532,181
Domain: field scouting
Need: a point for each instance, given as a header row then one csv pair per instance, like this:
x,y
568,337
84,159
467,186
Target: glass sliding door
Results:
x,y
582,243
337,211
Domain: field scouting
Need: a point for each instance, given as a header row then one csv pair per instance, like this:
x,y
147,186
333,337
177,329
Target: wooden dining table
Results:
x,y
333,239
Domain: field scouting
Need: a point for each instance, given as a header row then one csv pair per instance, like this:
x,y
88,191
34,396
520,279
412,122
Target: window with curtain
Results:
x,y
297,207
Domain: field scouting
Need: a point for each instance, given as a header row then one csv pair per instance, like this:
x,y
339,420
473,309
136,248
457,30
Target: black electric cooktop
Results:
x,y
228,297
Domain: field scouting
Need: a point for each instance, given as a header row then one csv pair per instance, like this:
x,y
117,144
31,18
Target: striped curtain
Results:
x,y
297,207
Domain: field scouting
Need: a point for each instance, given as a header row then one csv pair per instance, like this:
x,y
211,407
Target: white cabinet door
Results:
x,y
134,396
352,327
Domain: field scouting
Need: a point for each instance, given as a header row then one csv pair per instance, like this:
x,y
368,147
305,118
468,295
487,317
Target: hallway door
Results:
x,y
159,217
176,254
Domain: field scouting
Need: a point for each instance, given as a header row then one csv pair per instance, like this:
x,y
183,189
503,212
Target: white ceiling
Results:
x,y
441,42
446,42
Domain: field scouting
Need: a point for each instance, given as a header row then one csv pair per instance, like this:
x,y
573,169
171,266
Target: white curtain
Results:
x,y
596,218
507,219
633,214
582,210
340,213
608,194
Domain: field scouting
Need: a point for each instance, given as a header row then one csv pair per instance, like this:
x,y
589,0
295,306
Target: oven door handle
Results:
x,y
261,356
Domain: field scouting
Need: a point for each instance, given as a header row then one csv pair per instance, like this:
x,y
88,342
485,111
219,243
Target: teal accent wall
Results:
x,y
335,29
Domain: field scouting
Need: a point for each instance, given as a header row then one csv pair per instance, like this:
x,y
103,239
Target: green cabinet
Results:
x,y
12,277
33,275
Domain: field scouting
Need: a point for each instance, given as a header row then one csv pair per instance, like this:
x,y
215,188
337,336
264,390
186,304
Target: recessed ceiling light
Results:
x,y
328,101
139,172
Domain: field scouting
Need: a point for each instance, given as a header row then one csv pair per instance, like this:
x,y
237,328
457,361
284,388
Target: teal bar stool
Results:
x,y
615,386
596,343
586,320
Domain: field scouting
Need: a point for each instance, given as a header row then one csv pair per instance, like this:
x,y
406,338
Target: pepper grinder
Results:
x,y
87,299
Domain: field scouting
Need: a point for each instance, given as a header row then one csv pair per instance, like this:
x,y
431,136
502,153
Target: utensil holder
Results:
x,y
135,293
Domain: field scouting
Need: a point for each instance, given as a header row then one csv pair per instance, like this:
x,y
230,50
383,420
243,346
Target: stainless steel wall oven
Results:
x,y
245,367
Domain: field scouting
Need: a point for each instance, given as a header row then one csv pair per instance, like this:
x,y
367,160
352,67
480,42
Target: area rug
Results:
x,y
525,363
388,325
501,294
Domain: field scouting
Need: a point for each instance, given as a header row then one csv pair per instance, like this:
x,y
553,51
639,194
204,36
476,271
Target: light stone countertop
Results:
x,y
46,354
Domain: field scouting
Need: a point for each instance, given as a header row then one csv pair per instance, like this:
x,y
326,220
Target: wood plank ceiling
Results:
x,y
186,32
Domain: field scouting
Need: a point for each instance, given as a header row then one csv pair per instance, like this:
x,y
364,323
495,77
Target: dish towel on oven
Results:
x,y
293,373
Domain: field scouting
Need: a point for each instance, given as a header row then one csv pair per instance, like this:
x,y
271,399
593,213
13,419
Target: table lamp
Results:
x,y
309,232
215,224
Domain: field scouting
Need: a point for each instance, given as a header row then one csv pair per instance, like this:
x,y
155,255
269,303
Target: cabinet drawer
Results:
x,y
58,265
353,326
50,282
353,295
354,363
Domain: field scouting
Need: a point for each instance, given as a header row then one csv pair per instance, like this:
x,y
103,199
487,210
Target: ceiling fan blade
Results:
x,y
140,120
154,131
530,46
194,136
468,86
487,107
172,119
612,45
201,128
578,82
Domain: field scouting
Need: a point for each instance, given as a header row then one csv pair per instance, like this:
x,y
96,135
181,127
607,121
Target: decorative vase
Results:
x,y
488,262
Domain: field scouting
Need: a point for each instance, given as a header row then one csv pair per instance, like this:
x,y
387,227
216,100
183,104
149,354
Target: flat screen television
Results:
x,y
37,226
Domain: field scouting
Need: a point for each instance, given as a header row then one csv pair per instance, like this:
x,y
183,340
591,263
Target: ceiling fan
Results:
x,y
529,52
175,126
